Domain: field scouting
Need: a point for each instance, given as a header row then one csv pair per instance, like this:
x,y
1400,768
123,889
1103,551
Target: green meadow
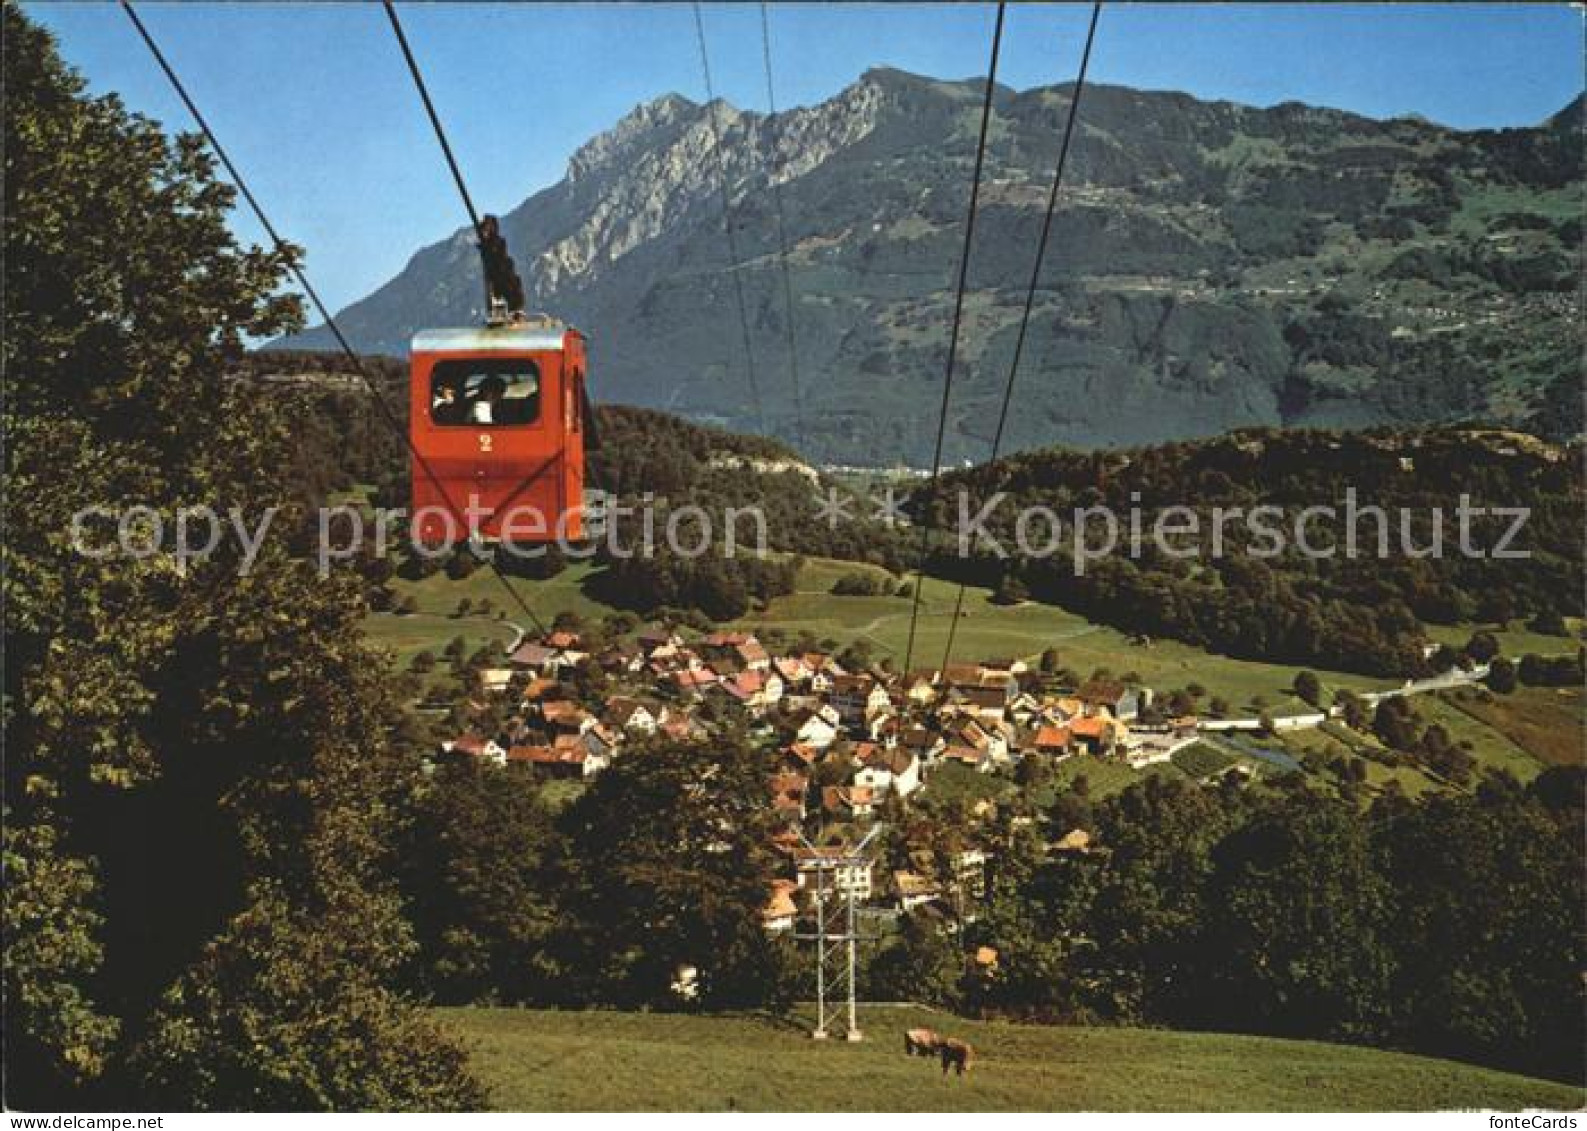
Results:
x,y
608,1061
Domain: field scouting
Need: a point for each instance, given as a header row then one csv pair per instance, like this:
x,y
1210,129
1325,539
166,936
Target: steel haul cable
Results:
x,y
586,407
308,289
782,234
727,217
958,315
1035,280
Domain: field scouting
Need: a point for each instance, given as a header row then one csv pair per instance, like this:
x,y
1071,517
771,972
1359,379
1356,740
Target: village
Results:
x,y
843,747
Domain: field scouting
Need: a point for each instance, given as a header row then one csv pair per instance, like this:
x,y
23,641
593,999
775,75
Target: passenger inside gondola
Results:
x,y
492,393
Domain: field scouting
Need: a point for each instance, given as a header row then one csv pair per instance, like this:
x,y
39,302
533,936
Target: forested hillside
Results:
x,y
1359,609
1355,611
204,767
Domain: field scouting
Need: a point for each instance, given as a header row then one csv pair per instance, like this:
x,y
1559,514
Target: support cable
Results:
x,y
727,217
958,315
782,234
282,248
1030,294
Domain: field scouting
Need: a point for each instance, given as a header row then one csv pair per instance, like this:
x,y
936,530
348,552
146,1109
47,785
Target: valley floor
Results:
x,y
606,1061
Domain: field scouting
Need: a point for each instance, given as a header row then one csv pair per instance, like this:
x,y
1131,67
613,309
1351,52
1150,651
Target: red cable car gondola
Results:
x,y
498,420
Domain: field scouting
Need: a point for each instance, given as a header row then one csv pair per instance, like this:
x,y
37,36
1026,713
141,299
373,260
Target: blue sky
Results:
x,y
314,104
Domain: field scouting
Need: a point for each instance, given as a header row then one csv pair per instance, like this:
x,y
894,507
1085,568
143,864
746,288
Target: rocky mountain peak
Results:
x,y
1184,288
641,128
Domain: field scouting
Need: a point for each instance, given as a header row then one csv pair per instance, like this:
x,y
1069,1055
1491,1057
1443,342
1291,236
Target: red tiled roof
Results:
x,y
791,668
965,754
1051,736
540,755
839,797
533,654
1090,726
696,677
805,754
781,904
1102,691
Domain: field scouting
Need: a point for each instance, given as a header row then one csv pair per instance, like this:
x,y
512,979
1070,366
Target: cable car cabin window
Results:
x,y
488,392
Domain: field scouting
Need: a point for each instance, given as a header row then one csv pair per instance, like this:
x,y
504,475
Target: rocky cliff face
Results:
x,y
1211,266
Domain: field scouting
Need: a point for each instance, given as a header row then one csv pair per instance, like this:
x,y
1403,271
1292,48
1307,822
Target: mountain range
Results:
x,y
1211,266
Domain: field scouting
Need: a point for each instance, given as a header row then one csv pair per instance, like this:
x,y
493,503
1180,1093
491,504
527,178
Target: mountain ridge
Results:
x,y
1213,265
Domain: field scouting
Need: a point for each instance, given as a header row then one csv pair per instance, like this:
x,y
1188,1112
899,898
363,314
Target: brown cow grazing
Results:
x,y
956,1054
921,1042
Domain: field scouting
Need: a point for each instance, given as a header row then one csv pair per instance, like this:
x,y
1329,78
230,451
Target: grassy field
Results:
x,y
408,635
1336,741
985,631
1544,722
1514,641
546,1061
1490,746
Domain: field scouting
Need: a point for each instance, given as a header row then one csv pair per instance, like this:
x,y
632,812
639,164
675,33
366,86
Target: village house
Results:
x,y
1024,708
848,802
780,912
989,700
753,655
494,681
566,716
968,756
887,771
1063,708
858,698
987,738
881,727
1009,666
692,682
558,651
1051,741
622,659
1075,840
794,672
566,641
915,890
633,716
983,961
969,870
823,670
739,650
927,745
682,728
568,757
919,687
540,687
755,691
602,741
659,643
486,750
1094,734
817,727
1118,699
540,657
799,757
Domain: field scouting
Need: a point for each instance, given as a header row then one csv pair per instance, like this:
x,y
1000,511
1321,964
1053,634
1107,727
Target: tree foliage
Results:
x,y
201,774
668,867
